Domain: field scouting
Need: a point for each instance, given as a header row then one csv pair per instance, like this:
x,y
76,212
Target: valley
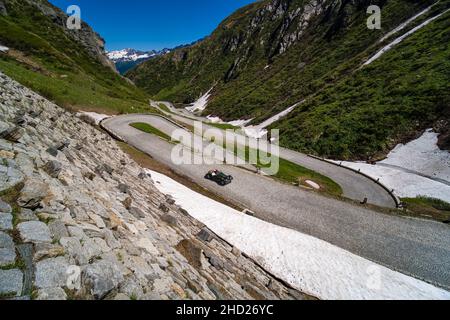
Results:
x,y
103,167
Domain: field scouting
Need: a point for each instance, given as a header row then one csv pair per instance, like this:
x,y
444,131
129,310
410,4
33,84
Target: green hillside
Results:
x,y
272,54
70,70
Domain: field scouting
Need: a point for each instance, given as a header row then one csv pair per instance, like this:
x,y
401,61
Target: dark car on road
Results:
x,y
219,177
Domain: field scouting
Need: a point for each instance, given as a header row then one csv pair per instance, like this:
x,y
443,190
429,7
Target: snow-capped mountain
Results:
x,y
127,59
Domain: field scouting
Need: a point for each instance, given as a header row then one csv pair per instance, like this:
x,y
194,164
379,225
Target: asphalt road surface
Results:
x,y
419,248
354,186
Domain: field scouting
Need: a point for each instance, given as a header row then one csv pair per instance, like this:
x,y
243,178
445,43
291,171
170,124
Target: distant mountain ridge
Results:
x,y
127,59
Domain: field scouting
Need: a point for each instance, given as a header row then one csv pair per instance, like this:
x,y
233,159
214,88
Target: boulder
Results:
x,y
104,168
7,256
27,215
34,232
88,174
164,208
205,235
6,221
137,213
5,240
101,277
53,168
170,220
12,134
52,151
192,252
51,273
11,283
51,294
124,188
32,194
7,250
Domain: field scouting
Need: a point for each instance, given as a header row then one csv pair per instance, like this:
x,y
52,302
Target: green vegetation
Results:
x,y
292,172
350,113
430,202
222,126
163,107
150,129
48,60
426,207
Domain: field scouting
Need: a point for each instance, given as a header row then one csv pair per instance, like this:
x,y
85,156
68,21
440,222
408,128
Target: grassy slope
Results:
x,y
353,114
45,59
429,208
150,129
369,111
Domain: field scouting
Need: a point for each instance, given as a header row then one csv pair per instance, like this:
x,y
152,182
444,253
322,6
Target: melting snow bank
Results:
x,y
403,37
260,131
308,264
234,123
93,117
404,184
4,49
407,168
422,155
406,23
201,103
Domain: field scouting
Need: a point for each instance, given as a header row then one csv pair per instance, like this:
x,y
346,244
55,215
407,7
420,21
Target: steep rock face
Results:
x,y
272,54
87,37
95,226
3,10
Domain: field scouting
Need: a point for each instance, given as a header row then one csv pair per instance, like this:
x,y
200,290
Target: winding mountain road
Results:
x,y
415,247
354,186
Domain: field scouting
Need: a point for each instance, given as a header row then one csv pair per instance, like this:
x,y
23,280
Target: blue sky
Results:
x,y
153,24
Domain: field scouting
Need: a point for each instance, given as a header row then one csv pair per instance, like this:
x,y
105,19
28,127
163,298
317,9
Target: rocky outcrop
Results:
x,y
3,11
87,37
90,223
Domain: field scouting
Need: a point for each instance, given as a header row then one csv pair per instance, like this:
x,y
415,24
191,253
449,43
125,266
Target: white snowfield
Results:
x,y
308,264
401,38
95,117
408,22
201,103
3,49
405,185
406,167
422,155
240,123
125,54
234,123
260,131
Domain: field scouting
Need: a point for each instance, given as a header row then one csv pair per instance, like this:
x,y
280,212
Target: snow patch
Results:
x,y
423,156
214,119
408,22
132,55
201,103
418,168
260,131
234,123
308,264
240,123
401,38
404,184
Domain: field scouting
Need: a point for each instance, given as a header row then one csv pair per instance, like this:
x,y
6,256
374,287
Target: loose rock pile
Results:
x,y
80,220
